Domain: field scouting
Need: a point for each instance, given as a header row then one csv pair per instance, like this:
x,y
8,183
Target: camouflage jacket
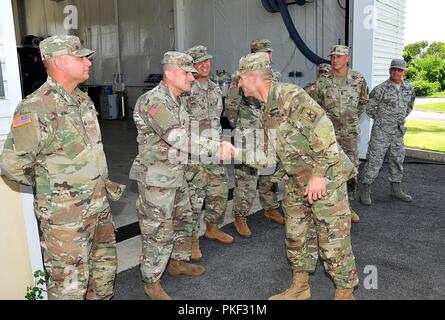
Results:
x,y
344,100
55,145
163,132
204,106
245,112
389,106
306,142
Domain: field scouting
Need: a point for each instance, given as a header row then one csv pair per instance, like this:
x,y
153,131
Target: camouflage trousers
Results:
x,y
80,258
167,222
208,188
245,191
325,228
381,144
350,147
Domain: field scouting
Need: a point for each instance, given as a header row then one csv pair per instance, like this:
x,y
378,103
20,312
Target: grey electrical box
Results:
x,y
109,107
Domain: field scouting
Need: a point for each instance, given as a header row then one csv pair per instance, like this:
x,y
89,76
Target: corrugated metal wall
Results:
x,y
388,36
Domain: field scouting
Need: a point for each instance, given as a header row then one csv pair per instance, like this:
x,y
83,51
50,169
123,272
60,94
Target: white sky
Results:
x,y
425,21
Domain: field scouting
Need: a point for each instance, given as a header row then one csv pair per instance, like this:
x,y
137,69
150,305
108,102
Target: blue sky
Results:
x,y
425,21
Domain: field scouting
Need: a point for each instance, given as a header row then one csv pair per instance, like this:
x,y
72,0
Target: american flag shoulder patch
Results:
x,y
154,110
22,120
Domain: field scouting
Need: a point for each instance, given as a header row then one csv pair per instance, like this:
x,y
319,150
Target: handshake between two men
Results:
x,y
316,186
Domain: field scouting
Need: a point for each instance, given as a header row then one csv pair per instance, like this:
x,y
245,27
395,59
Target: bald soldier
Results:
x,y
55,146
244,114
318,219
165,143
343,94
208,182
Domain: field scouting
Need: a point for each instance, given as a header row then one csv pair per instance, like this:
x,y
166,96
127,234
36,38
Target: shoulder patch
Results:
x,y
154,110
308,114
22,120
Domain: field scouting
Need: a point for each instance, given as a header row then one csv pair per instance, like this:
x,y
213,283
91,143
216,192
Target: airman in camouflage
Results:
x,y
244,114
208,183
343,94
166,218
55,145
315,202
389,105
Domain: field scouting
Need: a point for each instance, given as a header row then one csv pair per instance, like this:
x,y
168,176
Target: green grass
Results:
x,y
435,107
425,135
438,95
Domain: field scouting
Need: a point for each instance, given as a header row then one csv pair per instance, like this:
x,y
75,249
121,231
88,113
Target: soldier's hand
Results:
x,y
316,189
227,151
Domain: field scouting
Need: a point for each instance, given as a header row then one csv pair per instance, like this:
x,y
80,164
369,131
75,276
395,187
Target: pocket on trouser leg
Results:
x,y
301,238
65,252
334,234
103,259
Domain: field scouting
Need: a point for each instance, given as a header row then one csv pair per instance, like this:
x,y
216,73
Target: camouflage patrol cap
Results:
x,y
339,50
63,45
199,54
260,45
182,60
253,62
324,67
398,64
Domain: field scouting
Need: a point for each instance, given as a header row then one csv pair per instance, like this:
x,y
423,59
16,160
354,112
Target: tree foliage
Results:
x,y
426,66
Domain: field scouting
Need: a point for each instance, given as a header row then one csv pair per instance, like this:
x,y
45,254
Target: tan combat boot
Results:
x,y
274,215
176,268
213,233
397,192
354,216
155,292
196,251
298,291
344,294
242,227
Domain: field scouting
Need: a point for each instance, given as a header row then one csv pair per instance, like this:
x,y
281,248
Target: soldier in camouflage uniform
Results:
x,y
208,182
166,218
244,114
343,94
55,145
315,202
323,69
389,105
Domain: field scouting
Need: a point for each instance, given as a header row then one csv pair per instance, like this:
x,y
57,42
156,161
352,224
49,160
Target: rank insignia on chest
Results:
x,y
22,120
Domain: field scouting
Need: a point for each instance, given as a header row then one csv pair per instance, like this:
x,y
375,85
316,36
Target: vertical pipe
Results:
x,y
179,25
116,21
347,23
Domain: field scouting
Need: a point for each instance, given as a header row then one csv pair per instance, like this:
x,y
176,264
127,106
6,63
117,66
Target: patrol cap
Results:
x,y
253,62
260,45
199,54
182,60
324,67
398,64
63,45
339,50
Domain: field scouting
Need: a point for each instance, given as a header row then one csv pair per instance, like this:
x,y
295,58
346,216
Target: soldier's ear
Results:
x,y
59,63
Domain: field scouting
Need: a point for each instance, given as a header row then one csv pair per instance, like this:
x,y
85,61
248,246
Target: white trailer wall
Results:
x,y
146,31
226,27
145,27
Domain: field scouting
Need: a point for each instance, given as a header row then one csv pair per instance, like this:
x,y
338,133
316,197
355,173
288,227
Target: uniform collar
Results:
x,y
167,91
70,99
